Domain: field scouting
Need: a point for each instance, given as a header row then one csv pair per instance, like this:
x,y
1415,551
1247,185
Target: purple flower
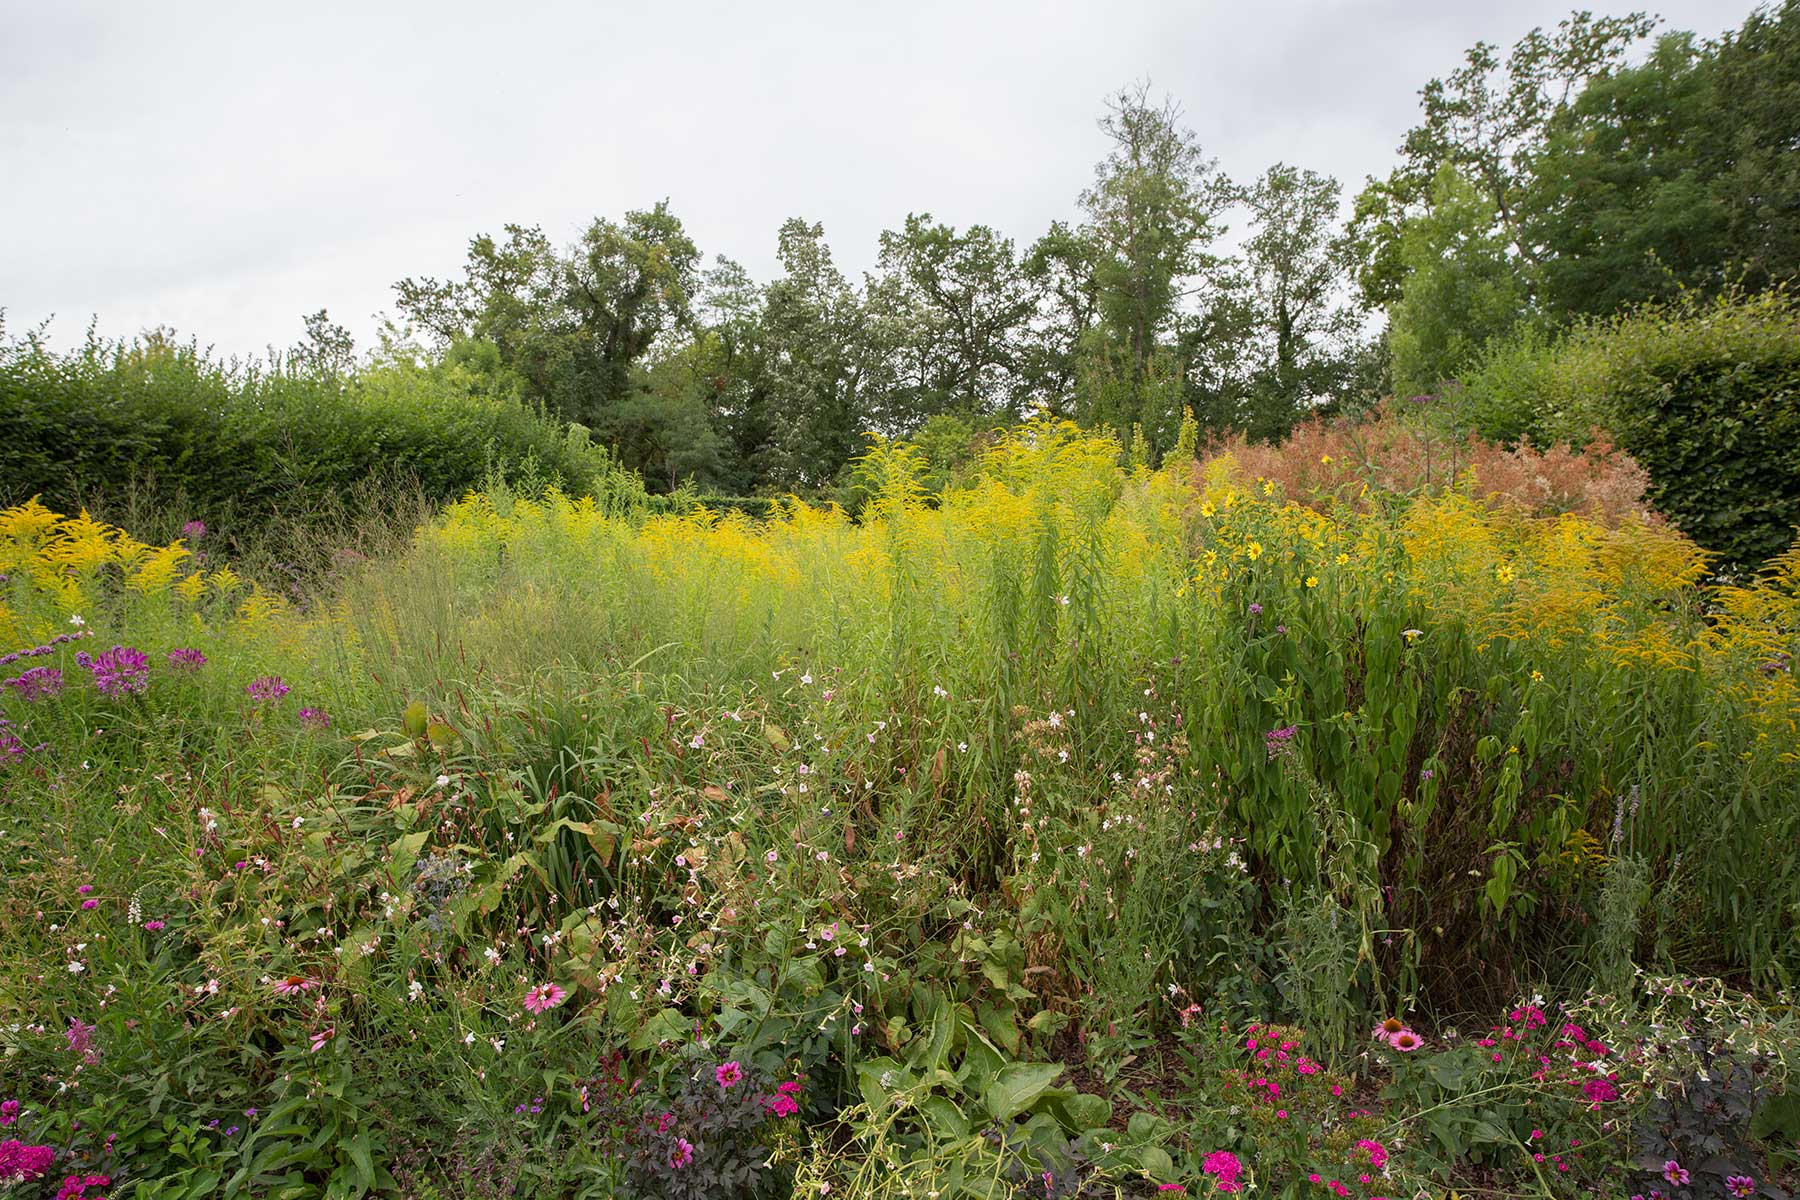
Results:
x,y
1278,741
81,1039
1740,1185
9,1112
120,671
187,659
22,1163
39,683
194,530
266,688
1256,610
154,926
682,1154
7,660
315,718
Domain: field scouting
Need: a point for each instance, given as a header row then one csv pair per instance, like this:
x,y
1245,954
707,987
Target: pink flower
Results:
x,y
1375,1150
320,1038
1740,1185
1675,1173
293,985
728,1073
1170,1187
682,1155
543,997
154,926
1406,1041
9,1112
90,904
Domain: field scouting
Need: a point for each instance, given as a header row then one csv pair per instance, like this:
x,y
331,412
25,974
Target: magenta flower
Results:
x,y
39,683
121,671
543,997
1740,1185
90,904
194,530
293,985
9,1113
266,689
22,1163
154,926
682,1154
728,1073
186,659
1406,1041
314,718
1675,1173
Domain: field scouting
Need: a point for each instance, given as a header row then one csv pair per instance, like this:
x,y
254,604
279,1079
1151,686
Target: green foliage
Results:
x,y
1704,394
1462,289
162,426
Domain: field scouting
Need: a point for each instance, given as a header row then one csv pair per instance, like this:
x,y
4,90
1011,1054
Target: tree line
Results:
x,y
1590,169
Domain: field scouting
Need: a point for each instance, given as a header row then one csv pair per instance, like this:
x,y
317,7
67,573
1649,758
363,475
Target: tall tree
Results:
x,y
971,302
1462,288
815,326
1061,267
1296,265
1153,209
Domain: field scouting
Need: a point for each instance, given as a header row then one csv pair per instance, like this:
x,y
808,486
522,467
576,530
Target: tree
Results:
x,y
327,352
1061,269
815,325
1153,209
1488,125
1295,262
1461,290
969,302
569,326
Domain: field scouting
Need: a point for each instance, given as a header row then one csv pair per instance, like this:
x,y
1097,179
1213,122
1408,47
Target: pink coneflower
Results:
x,y
544,997
1406,1041
728,1073
293,985
320,1038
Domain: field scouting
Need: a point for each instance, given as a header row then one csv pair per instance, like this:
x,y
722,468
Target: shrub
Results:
x,y
1405,449
152,426
1705,395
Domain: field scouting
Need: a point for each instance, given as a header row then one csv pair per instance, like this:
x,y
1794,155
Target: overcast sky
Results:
x,y
224,169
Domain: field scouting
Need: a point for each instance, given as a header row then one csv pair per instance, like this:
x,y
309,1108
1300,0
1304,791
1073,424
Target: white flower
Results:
x,y
468,1039
76,968
806,678
696,742
443,781
299,821
76,620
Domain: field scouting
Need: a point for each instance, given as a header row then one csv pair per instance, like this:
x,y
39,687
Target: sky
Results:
x,y
225,169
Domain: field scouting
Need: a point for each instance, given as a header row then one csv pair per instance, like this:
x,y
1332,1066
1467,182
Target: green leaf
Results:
x,y
1017,1087
413,720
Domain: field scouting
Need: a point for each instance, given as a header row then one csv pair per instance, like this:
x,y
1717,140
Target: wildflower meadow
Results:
x,y
1079,830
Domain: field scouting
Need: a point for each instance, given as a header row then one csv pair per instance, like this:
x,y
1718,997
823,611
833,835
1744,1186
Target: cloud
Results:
x,y
225,169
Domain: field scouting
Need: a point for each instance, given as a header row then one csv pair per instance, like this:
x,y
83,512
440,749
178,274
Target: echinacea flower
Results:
x,y
1390,1027
293,985
320,1038
1406,1041
543,997
727,1074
